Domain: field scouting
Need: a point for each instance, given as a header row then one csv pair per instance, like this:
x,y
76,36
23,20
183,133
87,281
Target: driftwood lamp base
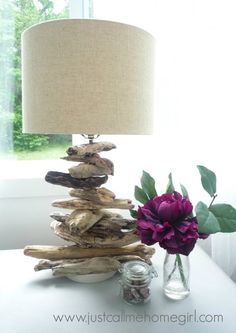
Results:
x,y
102,239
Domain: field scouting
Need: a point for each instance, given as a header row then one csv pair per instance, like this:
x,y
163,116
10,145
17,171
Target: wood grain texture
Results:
x,y
95,237
86,204
90,148
65,179
76,252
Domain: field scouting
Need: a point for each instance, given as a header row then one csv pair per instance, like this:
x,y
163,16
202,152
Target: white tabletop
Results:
x,y
30,301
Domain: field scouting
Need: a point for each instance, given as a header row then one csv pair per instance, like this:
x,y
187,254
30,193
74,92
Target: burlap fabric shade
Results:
x,y
87,76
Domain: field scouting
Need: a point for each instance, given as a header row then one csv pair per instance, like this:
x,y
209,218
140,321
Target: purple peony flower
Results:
x,y
166,219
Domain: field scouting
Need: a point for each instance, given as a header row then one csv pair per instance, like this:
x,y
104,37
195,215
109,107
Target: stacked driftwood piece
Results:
x,y
103,239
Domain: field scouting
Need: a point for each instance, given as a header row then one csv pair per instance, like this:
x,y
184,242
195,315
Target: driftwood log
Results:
x,y
90,148
49,264
75,252
113,221
86,204
110,222
88,266
65,179
85,170
82,220
97,195
95,237
123,259
95,159
59,216
92,159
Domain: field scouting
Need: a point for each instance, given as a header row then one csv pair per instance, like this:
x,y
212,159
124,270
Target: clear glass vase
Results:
x,y
176,276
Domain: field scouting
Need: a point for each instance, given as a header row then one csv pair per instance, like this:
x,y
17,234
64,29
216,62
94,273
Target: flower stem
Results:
x,y
181,271
213,199
173,270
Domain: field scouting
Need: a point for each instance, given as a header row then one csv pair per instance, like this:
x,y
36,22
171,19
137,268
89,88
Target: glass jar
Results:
x,y
135,282
176,276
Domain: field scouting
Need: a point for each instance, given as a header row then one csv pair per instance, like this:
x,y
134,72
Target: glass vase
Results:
x,y
176,276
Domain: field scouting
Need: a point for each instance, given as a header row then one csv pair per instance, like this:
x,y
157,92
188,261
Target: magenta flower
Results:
x,y
166,219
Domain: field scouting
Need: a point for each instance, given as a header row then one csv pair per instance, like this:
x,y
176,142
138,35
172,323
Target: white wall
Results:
x,y
26,222
24,212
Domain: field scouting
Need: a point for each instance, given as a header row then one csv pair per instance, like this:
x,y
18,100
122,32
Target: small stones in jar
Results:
x,y
136,295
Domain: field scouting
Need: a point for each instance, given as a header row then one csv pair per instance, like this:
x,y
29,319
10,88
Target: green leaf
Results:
x,y
148,185
185,194
207,222
170,187
208,179
184,191
140,195
226,216
133,213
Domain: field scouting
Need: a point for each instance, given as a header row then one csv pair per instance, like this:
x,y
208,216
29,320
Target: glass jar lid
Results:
x,y
137,272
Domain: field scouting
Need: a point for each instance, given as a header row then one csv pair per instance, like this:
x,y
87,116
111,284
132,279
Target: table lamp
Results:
x,y
89,77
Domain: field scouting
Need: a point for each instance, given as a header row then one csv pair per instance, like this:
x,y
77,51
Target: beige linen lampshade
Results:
x,y
87,76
